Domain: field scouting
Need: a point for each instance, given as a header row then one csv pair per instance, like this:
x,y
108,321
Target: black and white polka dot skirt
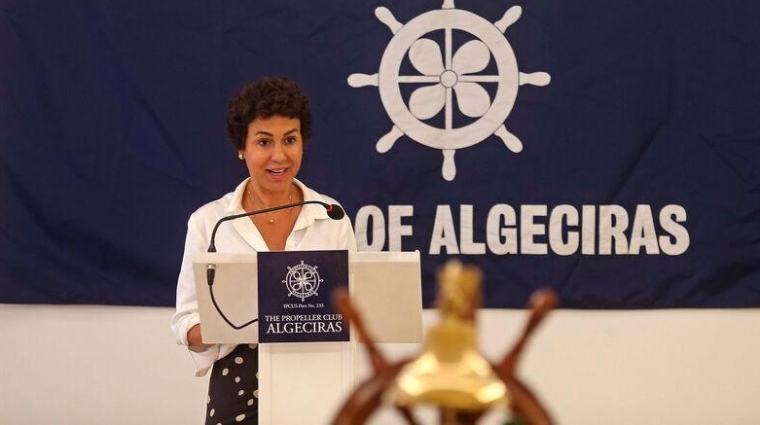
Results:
x,y
233,388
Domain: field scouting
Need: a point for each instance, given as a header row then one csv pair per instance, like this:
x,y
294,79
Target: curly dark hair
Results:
x,y
264,98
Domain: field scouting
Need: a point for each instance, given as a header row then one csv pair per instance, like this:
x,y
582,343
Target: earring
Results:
x,y
240,156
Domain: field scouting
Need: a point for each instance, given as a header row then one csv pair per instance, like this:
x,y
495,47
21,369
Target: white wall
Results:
x,y
94,365
119,365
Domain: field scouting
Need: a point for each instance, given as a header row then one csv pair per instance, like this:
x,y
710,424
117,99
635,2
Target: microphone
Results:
x,y
334,211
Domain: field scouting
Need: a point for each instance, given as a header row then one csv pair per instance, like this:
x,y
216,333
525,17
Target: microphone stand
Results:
x,y
333,211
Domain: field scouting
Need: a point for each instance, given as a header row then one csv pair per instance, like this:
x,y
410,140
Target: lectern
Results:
x,y
306,382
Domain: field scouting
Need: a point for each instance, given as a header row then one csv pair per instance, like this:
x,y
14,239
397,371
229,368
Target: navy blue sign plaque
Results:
x,y
295,296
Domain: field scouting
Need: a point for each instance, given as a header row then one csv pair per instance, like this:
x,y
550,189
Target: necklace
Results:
x,y
270,220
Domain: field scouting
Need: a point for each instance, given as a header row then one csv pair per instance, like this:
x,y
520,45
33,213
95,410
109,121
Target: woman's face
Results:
x,y
273,152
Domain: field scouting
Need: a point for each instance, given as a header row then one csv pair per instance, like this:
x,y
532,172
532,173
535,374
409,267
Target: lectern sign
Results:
x,y
295,290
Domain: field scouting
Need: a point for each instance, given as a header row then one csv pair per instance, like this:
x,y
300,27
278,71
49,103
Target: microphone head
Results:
x,y
335,211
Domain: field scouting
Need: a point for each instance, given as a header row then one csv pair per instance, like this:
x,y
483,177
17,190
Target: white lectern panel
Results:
x,y
236,293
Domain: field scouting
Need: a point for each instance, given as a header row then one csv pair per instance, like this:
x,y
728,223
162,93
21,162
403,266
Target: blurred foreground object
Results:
x,y
449,373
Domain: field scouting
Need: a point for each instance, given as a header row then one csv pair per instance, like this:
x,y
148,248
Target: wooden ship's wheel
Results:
x,y
449,373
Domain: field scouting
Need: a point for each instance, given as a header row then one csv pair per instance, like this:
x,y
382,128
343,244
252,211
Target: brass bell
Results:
x,y
450,372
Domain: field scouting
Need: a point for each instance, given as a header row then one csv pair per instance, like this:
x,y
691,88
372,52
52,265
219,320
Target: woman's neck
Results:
x,y
265,199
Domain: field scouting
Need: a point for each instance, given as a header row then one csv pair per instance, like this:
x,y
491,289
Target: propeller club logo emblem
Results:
x,y
444,72
302,281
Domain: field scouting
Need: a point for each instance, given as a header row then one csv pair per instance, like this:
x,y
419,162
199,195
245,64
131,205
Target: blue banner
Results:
x,y
610,150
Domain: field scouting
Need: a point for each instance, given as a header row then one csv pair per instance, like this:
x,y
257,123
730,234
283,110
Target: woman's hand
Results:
x,y
194,338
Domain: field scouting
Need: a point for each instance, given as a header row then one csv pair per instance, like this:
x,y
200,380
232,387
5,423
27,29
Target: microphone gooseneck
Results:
x,y
334,211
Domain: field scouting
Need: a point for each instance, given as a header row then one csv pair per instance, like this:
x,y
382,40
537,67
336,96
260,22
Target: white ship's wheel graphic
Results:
x,y
302,281
446,72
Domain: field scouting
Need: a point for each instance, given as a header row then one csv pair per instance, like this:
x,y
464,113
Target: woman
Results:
x,y
269,123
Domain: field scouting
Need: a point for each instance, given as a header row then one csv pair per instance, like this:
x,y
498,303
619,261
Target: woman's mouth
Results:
x,y
277,172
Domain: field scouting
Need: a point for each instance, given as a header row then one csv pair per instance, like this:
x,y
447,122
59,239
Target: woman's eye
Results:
x,y
291,140
263,142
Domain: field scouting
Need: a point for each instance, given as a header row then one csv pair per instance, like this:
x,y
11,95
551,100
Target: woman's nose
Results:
x,y
278,152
